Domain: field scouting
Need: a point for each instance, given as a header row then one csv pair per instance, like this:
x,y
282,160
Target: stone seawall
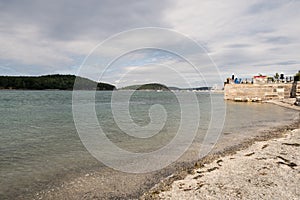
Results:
x,y
257,92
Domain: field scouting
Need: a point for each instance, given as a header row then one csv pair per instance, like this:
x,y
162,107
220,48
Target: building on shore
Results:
x,y
261,88
260,79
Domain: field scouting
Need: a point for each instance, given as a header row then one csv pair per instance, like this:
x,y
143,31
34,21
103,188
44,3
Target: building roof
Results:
x,y
259,76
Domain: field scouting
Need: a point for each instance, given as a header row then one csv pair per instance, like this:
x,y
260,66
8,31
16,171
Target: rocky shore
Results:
x,y
263,168
266,170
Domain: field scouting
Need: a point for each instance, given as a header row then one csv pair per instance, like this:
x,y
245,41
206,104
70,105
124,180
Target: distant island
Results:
x,y
149,86
158,86
66,82
198,88
51,82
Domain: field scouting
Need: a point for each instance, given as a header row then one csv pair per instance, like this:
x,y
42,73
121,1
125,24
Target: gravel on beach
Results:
x,y
266,170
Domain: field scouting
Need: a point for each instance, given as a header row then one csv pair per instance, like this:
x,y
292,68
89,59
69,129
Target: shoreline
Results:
x,y
286,103
84,185
165,189
265,170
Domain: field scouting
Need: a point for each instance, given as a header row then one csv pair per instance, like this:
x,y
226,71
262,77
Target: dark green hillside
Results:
x,y
59,82
153,86
149,86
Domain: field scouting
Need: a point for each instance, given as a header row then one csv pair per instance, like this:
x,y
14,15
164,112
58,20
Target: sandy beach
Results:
x,y
267,169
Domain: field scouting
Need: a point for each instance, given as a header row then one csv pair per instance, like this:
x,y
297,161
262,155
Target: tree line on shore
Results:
x,y
48,82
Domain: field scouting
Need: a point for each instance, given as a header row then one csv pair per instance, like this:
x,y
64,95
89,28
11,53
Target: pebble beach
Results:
x,y
266,168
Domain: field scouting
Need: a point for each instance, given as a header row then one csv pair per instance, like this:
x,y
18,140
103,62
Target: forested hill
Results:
x,y
153,86
59,82
149,86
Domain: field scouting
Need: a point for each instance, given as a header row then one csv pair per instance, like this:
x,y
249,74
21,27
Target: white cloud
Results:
x,y
243,33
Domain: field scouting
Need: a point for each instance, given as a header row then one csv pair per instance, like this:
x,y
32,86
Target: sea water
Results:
x,y
39,143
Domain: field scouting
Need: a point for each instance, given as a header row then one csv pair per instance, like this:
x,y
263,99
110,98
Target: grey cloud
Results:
x,y
266,6
67,19
237,45
289,62
277,40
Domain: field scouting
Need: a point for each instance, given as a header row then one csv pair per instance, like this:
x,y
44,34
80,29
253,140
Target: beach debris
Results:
x,y
263,147
198,176
187,189
181,185
212,169
292,144
249,154
199,185
286,162
263,173
219,161
262,158
291,165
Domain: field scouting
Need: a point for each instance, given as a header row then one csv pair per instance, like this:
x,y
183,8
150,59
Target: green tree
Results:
x,y
276,76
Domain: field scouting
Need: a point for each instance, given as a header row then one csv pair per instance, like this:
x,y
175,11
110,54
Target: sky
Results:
x,y
240,37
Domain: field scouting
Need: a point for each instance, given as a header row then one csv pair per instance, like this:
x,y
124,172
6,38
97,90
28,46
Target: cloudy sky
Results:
x,y
241,37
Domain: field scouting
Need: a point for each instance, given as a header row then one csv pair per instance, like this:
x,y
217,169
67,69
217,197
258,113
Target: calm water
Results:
x,y
39,142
